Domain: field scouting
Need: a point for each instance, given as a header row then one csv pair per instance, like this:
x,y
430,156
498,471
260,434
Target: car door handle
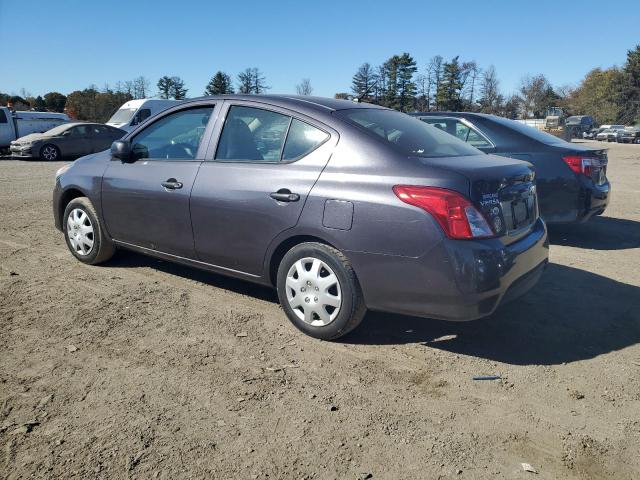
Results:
x,y
285,195
172,184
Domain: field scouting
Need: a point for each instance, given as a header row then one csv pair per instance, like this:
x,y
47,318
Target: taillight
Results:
x,y
455,213
581,165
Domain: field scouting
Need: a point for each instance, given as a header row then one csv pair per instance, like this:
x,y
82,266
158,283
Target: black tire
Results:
x,y
352,308
102,248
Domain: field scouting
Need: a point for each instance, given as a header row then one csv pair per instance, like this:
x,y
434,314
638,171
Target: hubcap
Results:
x,y
49,153
313,292
80,231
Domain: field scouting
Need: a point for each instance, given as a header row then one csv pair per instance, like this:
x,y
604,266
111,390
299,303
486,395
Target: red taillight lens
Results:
x,y
456,215
581,165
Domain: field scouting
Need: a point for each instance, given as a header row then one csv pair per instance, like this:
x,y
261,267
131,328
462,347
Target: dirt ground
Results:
x,y
144,369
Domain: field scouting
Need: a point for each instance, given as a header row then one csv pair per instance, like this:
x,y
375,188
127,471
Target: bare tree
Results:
x,y
490,98
304,87
470,73
251,80
141,87
434,75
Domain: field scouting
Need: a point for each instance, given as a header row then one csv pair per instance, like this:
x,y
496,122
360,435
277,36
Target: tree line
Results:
x,y
98,104
609,95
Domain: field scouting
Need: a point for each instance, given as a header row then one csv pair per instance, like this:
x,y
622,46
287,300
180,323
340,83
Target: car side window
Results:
x,y
79,131
100,130
174,137
3,117
302,139
471,136
141,116
252,135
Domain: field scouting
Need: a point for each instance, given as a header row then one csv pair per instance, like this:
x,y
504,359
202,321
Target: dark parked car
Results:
x,y
67,140
577,125
628,135
571,178
341,206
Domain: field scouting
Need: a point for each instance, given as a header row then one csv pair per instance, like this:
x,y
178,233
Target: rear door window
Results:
x,y
252,135
3,117
302,140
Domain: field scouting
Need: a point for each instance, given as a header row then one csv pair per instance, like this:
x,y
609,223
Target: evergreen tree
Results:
x,y
405,84
55,101
448,96
629,96
177,91
364,81
220,84
164,87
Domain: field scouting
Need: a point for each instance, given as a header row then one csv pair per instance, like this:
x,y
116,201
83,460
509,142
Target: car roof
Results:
x,y
453,114
295,102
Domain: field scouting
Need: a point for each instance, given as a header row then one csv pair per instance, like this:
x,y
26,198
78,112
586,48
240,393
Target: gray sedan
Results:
x,y
342,207
68,140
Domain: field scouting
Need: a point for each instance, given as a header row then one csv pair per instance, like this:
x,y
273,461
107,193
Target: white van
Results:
x,y
19,124
134,112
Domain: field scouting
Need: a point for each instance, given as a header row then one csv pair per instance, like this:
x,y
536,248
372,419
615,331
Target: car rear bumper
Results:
x,y
457,280
593,200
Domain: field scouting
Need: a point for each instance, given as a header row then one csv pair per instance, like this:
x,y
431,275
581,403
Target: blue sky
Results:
x,y
64,45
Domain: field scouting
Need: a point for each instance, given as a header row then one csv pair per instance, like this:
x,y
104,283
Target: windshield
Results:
x,y
407,134
530,132
55,131
123,115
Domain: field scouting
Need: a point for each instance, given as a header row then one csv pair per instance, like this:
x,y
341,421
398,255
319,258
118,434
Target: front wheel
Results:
x,y
319,291
84,234
50,153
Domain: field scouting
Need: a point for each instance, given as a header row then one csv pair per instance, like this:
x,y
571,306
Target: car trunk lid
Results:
x,y
503,189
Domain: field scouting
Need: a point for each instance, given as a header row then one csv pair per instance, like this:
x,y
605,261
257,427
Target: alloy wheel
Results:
x,y
49,152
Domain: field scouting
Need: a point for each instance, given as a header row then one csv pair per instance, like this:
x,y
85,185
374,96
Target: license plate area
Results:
x,y
521,213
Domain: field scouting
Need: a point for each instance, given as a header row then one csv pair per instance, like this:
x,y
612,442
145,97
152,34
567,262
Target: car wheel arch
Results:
x,y
280,250
67,196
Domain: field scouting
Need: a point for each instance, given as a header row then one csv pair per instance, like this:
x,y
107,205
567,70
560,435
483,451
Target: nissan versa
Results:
x,y
341,206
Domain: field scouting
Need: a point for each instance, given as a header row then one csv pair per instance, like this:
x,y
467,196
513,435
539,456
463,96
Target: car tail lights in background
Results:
x,y
582,165
455,213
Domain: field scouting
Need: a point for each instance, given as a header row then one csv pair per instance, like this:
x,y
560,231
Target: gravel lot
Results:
x,y
142,369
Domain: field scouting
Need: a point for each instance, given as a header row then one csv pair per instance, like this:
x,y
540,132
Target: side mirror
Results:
x,y
122,150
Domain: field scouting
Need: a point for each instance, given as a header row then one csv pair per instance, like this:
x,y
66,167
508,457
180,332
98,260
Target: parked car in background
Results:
x,y
68,140
609,134
134,112
340,206
571,178
628,135
577,125
18,124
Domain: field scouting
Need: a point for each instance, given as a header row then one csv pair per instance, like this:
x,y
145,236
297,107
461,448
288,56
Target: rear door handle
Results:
x,y
172,184
285,195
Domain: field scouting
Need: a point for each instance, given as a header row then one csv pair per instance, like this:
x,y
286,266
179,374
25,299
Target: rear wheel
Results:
x,y
49,153
84,234
319,291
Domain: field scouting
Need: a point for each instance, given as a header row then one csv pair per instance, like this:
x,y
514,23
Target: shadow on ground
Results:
x,y
599,233
570,315
127,259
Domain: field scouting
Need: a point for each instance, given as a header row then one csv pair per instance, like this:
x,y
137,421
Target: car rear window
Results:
x,y
406,134
530,132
